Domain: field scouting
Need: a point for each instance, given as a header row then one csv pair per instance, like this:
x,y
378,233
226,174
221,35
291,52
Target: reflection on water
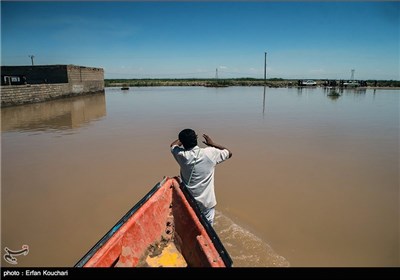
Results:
x,y
265,89
54,115
333,93
314,181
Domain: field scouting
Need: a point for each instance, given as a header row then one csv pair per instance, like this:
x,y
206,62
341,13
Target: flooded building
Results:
x,y
38,83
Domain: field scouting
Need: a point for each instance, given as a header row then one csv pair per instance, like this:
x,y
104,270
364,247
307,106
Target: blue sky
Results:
x,y
310,40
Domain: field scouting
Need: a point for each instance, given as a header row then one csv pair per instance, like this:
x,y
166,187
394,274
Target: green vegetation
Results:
x,y
272,82
384,83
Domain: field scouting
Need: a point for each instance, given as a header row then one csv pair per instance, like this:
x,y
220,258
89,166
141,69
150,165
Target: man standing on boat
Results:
x,y
197,168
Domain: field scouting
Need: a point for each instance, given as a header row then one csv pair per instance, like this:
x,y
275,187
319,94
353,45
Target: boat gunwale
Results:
x,y
115,228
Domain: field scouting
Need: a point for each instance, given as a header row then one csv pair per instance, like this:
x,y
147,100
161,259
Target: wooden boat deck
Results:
x,y
166,255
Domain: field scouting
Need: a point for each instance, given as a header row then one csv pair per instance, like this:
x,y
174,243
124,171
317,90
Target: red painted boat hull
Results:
x,y
168,211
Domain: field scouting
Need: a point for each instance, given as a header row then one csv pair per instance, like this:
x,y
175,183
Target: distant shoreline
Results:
x,y
273,83
301,87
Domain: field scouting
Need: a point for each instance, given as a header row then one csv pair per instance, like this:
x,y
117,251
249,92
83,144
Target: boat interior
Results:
x,y
164,229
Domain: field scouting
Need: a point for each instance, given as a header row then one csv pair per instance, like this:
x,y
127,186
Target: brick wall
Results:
x,y
74,80
83,74
85,79
25,94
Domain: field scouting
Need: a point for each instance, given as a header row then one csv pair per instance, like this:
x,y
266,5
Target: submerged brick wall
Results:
x,y
25,94
78,80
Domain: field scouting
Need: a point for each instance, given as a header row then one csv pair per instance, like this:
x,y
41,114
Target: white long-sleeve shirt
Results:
x,y
203,162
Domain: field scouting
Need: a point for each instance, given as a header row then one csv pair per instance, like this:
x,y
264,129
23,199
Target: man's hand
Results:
x,y
208,141
176,142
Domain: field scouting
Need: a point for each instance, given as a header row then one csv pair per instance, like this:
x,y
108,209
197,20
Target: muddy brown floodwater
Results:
x,y
313,181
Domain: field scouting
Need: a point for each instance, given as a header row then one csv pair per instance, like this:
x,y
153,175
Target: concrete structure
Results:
x,y
32,84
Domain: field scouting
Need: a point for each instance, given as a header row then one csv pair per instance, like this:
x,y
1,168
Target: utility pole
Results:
x,y
352,74
265,67
31,56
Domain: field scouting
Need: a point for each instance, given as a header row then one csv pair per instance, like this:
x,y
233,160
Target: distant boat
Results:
x,y
164,229
125,87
